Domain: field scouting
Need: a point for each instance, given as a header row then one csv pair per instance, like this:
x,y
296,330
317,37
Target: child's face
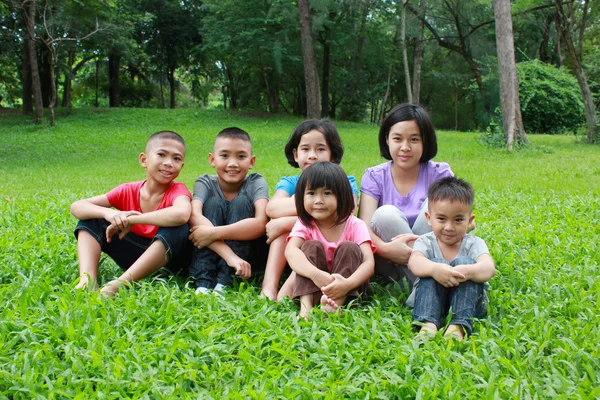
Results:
x,y
321,204
232,158
312,148
449,220
163,160
405,144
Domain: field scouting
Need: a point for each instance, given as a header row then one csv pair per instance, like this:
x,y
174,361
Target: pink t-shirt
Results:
x,y
126,197
355,230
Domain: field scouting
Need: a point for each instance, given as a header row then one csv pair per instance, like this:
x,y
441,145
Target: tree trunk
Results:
x,y
311,77
171,79
45,76
52,100
162,92
404,53
114,85
29,14
507,71
387,93
418,55
325,87
26,78
563,26
97,74
66,100
543,50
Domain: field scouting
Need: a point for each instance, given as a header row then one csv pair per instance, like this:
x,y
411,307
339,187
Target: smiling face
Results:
x,y
232,158
449,220
321,204
405,144
312,148
163,160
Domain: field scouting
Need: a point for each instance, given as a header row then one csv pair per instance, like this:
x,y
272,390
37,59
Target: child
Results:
x,y
452,265
142,226
394,193
228,212
329,249
311,141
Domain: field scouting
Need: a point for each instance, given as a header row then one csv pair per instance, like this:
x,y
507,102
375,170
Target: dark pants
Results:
x,y
207,268
346,260
433,300
126,251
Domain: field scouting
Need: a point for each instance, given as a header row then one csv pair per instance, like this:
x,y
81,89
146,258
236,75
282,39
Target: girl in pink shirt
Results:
x,y
329,248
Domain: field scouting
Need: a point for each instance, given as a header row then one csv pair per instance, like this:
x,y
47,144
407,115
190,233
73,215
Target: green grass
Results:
x,y
538,210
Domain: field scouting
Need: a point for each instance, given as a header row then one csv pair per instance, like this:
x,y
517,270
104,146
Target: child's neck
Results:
x,y
331,231
449,252
151,194
405,179
230,190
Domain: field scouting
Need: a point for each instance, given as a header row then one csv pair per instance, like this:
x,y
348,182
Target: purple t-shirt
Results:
x,y
378,183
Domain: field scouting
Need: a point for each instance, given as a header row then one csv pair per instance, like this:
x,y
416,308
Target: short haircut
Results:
x,y
325,175
234,133
409,112
169,135
451,189
327,128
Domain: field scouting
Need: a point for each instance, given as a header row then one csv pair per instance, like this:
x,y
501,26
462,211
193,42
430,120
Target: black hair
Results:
x,y
452,189
409,112
169,135
327,128
328,175
234,133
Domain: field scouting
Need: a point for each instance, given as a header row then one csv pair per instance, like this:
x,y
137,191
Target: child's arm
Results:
x,y
399,249
422,267
99,207
175,215
301,266
246,229
341,286
279,226
281,205
481,271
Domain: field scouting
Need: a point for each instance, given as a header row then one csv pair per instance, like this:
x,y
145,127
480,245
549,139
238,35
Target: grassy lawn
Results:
x,y
538,211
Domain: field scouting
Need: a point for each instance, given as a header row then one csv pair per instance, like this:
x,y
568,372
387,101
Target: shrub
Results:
x,y
550,98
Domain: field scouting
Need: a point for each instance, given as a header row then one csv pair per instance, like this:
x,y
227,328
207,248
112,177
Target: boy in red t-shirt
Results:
x,y
142,226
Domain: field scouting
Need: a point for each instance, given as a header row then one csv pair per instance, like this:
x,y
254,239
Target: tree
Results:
x,y
311,77
512,120
565,27
409,95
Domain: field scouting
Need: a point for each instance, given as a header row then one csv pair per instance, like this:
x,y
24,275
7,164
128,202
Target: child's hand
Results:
x,y
113,229
275,228
322,278
337,288
242,267
447,276
464,270
203,235
400,248
121,218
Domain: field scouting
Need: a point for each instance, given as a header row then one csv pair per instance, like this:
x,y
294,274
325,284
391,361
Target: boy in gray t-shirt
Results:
x,y
228,214
453,266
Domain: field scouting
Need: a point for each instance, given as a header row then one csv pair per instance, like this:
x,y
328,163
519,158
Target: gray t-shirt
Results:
x,y
254,187
471,247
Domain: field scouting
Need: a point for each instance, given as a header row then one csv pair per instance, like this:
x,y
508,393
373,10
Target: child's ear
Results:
x,y
211,159
295,153
252,161
143,158
428,216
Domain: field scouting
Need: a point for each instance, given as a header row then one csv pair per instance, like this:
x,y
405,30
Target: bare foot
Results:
x,y
329,305
427,330
268,294
111,288
84,283
455,332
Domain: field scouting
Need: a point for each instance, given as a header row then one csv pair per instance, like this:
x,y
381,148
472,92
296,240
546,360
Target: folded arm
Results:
x,y
281,205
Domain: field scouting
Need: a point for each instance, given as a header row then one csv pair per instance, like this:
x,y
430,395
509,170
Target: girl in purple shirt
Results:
x,y
394,193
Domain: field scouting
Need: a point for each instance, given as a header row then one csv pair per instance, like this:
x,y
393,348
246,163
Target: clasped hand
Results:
x,y
337,287
203,235
447,276
275,228
399,248
119,223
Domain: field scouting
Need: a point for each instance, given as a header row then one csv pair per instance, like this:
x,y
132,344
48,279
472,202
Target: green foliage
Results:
x,y
550,98
537,211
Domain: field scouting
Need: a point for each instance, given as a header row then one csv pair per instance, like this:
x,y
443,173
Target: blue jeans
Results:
x,y
207,267
127,250
433,300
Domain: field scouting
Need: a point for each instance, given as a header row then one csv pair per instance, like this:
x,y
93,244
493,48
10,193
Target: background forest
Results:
x,y
247,55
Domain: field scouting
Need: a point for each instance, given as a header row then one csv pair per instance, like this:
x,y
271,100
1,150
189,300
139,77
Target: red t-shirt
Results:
x,y
126,197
